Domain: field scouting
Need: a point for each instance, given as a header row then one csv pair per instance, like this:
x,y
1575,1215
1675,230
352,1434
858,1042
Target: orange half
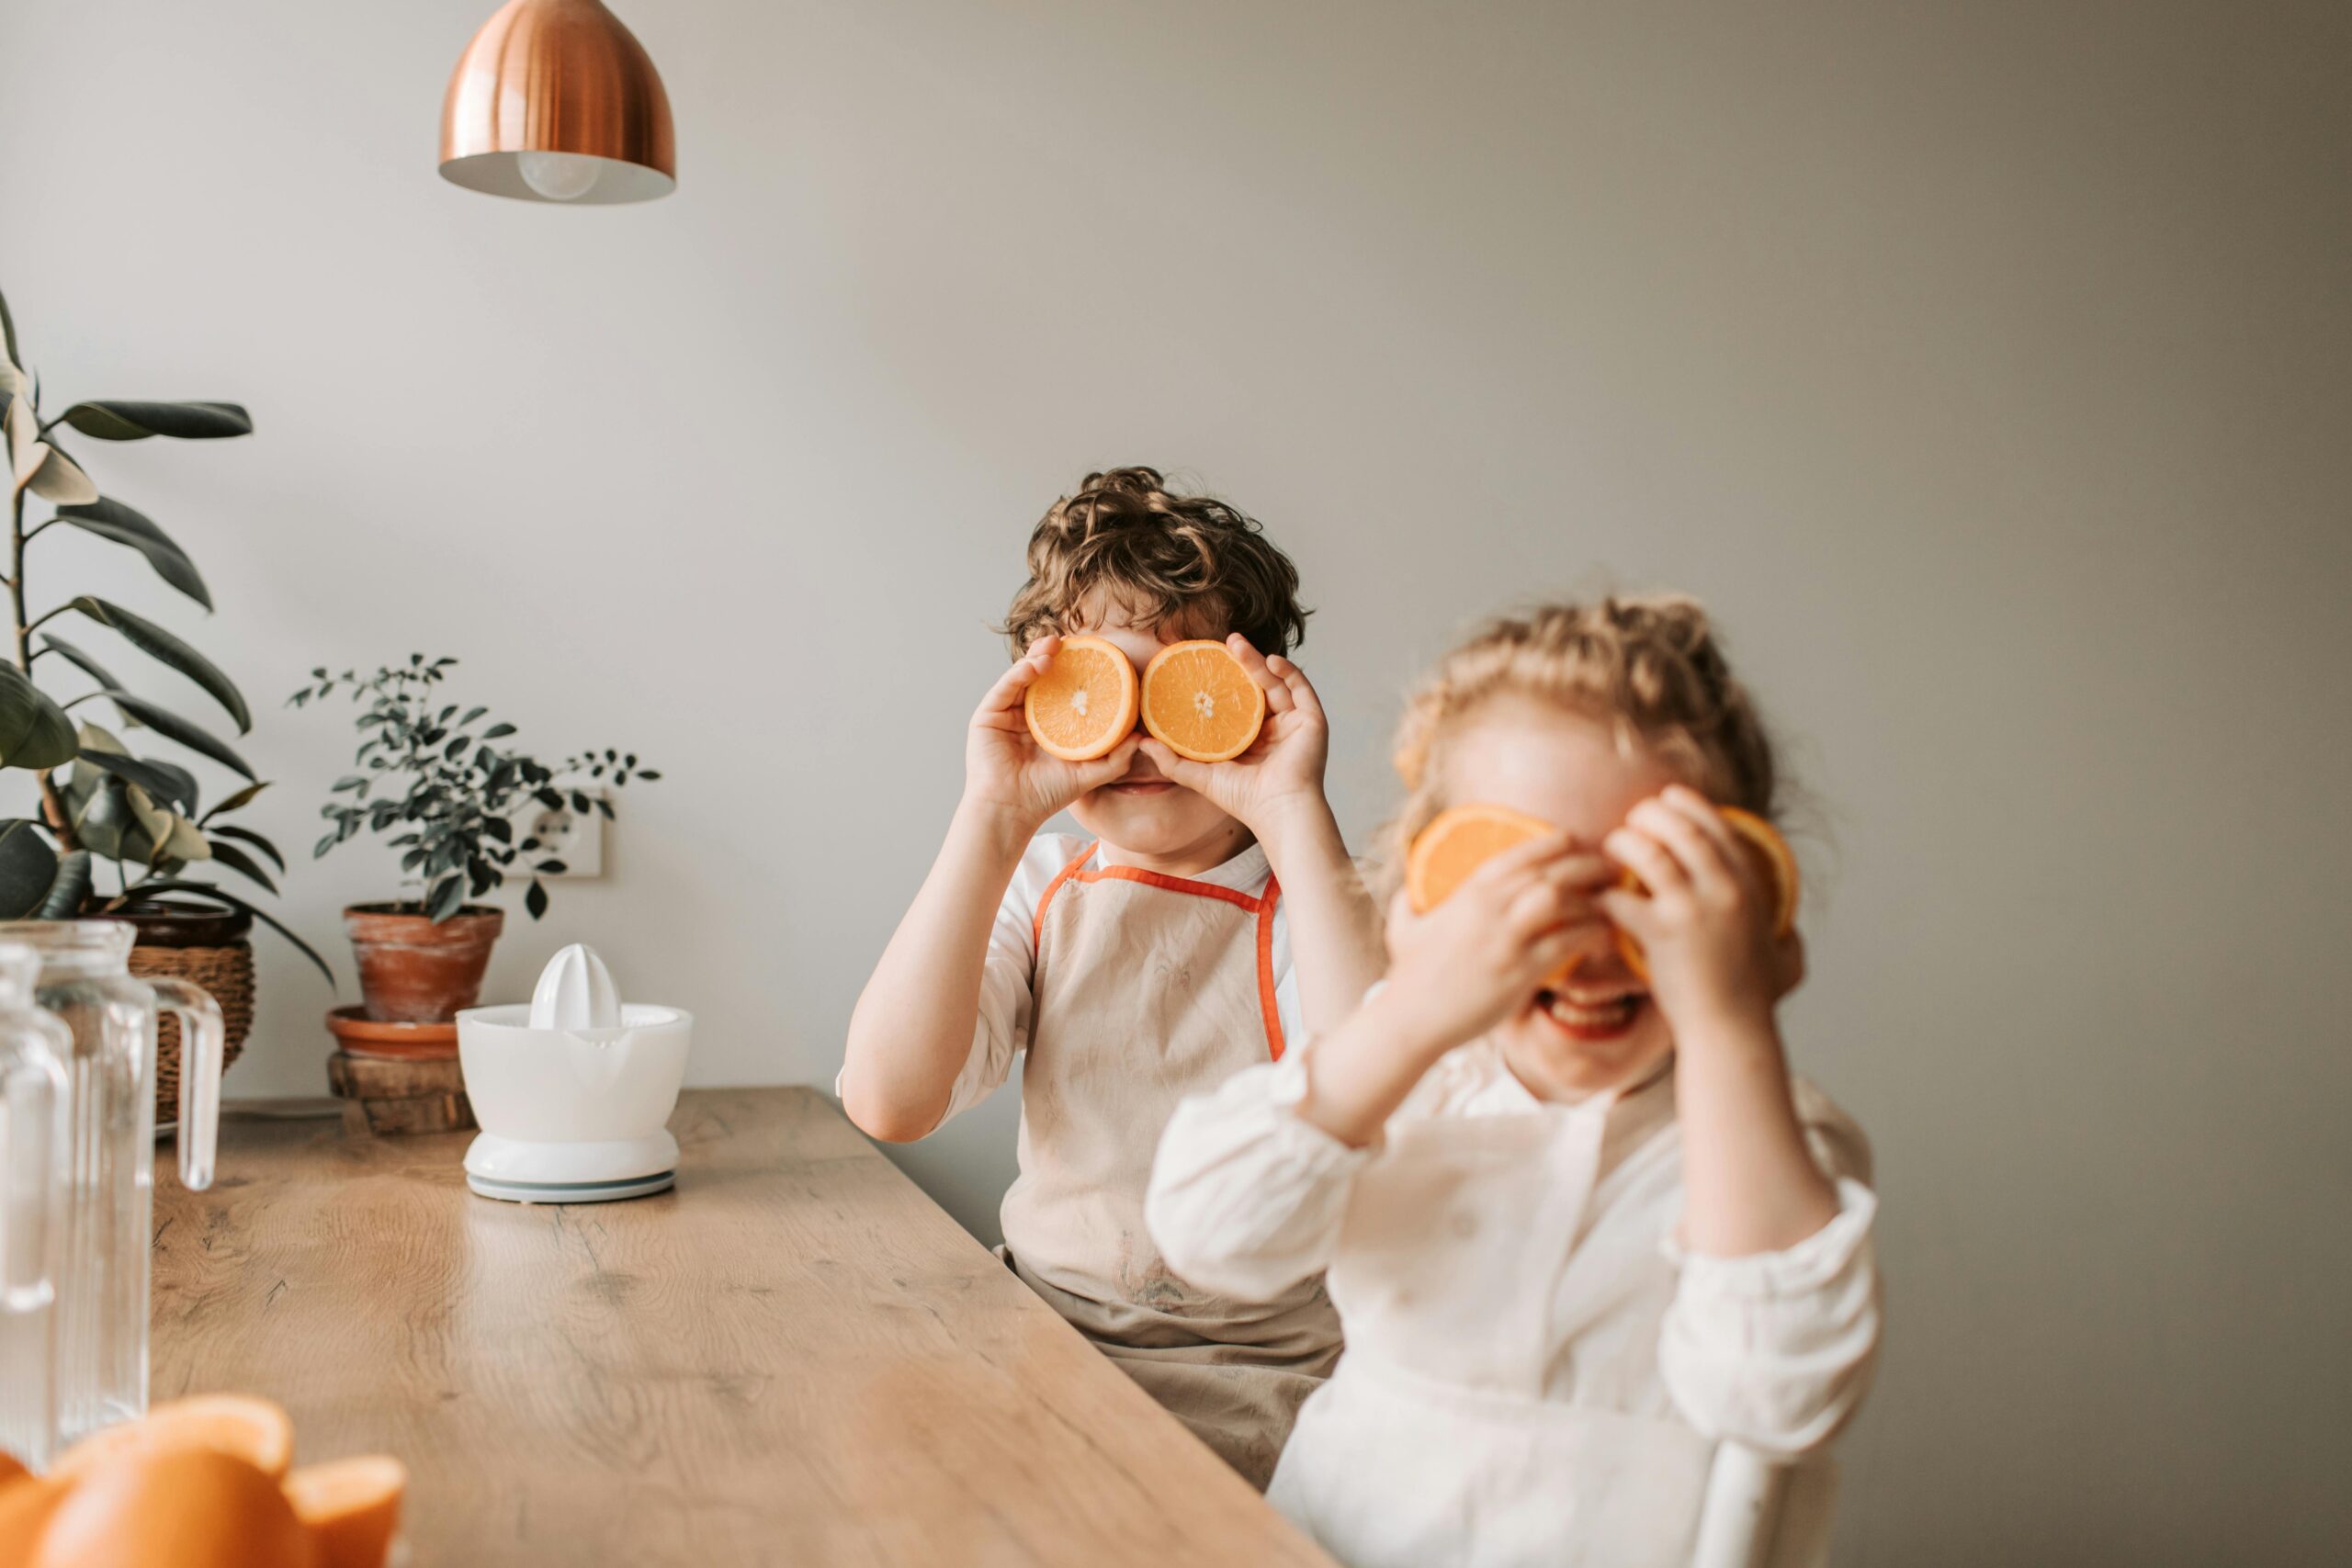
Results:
x,y
1084,704
250,1428
1772,852
1201,703
175,1508
352,1506
1459,841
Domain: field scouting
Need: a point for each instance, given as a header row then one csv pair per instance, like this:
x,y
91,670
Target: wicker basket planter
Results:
x,y
207,948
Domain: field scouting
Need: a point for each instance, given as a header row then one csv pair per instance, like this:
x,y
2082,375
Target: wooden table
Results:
x,y
795,1358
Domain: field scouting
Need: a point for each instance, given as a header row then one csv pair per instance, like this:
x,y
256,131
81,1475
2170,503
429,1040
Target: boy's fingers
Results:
x,y
1009,687
1253,664
1295,681
1110,765
1176,770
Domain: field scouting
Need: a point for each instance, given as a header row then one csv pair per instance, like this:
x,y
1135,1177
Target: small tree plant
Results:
x,y
431,780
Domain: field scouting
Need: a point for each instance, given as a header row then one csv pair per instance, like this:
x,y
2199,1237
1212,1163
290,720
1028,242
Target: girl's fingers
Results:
x,y
1702,864
1549,953
1253,663
1518,861
1628,909
1647,859
1700,813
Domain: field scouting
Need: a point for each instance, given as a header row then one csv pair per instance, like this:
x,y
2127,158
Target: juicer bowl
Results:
x,y
572,1108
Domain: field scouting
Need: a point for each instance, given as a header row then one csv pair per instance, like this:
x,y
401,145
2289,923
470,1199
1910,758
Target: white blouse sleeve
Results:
x,y
1776,1350
1247,1198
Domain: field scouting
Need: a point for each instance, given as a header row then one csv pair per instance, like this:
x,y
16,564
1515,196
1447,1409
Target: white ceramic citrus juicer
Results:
x,y
574,1091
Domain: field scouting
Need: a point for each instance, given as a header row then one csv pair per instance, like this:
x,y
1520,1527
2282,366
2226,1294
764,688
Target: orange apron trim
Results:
x,y
1262,907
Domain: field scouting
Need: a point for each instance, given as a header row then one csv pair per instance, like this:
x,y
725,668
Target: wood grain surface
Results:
x,y
795,1358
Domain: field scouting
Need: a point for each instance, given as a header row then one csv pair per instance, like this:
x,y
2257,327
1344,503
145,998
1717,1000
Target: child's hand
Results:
x,y
1478,958
1706,924
1005,768
1283,770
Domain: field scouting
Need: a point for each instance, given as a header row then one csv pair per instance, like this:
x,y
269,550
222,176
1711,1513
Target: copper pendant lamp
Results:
x,y
555,101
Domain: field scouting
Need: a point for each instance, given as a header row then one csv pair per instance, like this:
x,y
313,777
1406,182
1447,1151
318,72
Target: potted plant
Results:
x,y
138,822
432,782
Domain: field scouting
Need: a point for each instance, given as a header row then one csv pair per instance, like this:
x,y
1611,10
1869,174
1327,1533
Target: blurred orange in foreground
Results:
x,y
199,1483
252,1429
176,1508
351,1508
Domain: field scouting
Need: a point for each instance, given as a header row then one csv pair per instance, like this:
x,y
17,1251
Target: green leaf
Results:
x,y
247,836
107,824
89,666
161,779
114,420
113,520
27,868
172,727
264,915
153,640
34,731
536,900
447,898
237,802
8,330
238,861
70,890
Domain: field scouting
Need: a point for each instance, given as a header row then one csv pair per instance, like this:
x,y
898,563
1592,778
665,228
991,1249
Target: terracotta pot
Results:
x,y
360,1035
411,970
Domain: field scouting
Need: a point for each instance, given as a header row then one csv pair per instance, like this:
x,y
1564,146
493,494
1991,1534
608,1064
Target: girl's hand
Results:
x,y
1478,958
1006,771
1706,924
1283,771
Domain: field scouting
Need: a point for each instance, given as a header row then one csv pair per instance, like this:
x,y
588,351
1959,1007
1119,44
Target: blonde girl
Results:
x,y
1581,1232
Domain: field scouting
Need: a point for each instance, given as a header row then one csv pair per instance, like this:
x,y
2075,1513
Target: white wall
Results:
x,y
1983,363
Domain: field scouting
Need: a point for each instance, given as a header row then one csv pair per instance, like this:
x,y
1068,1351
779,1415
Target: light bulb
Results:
x,y
559,176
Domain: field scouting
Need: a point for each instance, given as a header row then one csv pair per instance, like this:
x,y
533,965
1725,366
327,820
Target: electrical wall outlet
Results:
x,y
564,835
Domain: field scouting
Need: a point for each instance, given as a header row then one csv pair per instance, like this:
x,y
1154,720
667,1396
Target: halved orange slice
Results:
x,y
1459,841
1084,704
352,1506
1200,702
250,1429
1772,852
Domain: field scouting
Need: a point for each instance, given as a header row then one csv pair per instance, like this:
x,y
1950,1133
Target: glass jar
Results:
x,y
33,1180
102,1250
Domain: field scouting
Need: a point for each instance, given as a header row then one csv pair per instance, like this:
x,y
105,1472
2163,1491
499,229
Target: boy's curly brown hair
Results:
x,y
1187,560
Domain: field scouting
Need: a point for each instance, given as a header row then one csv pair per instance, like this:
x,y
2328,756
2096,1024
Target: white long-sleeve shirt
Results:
x,y
1534,1372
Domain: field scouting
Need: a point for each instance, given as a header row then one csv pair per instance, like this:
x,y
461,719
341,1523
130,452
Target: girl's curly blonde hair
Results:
x,y
1651,667
1187,560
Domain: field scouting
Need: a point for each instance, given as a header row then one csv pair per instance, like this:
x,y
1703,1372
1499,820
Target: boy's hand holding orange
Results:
x,y
1056,724
1245,731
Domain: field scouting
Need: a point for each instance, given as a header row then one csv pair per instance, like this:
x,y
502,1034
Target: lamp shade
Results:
x,y
555,101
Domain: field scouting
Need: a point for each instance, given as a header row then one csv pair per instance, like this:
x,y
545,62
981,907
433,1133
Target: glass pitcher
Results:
x,y
33,1048
101,1279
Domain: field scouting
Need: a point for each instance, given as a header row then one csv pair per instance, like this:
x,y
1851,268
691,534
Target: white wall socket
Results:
x,y
564,835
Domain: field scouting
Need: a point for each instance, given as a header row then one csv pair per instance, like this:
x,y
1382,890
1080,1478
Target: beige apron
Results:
x,y
1466,1265
1147,988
